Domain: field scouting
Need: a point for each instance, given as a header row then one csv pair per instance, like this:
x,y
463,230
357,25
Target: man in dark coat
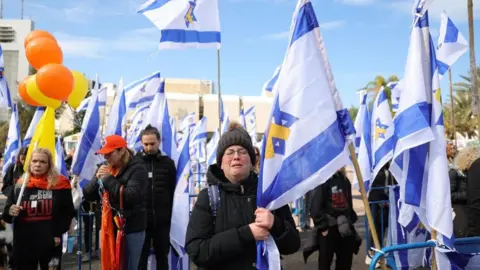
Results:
x,y
161,187
225,237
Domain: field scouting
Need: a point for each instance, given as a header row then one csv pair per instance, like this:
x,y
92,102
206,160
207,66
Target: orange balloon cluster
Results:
x,y
53,83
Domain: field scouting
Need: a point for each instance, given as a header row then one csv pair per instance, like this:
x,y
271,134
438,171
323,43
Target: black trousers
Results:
x,y
22,264
161,245
97,220
334,244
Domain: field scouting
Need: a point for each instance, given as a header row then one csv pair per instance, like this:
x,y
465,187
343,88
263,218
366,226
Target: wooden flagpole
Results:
x,y
368,211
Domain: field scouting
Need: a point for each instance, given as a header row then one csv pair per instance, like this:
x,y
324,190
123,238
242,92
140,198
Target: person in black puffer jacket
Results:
x,y
124,169
228,240
161,187
14,172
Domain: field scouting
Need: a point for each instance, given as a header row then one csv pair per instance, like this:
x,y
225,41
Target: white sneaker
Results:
x,y
368,261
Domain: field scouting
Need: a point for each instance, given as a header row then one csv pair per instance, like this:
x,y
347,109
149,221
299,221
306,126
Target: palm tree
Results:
x,y
373,87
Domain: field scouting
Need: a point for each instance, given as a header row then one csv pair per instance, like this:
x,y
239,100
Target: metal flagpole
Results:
x,y
219,94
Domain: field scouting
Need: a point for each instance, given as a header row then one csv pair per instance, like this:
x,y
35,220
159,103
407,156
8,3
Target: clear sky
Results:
x,y
363,38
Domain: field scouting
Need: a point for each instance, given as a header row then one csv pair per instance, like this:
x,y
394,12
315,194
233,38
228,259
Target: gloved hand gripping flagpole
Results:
x,y
366,205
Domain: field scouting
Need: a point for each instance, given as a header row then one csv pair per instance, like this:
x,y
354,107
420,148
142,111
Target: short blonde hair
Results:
x,y
52,173
466,156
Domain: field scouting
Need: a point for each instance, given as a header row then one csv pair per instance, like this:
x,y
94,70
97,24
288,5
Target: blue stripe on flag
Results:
x,y
86,143
419,114
306,22
451,35
187,36
345,122
442,67
144,80
153,5
416,169
382,97
200,136
382,151
300,165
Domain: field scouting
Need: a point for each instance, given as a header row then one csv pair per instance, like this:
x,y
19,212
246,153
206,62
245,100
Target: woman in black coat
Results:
x,y
225,223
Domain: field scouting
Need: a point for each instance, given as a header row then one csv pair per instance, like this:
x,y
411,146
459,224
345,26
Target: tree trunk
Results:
x,y
473,65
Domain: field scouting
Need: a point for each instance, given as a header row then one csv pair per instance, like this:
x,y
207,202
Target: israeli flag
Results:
x,y
449,259
382,133
158,117
251,124
181,204
408,259
268,86
242,118
420,145
213,143
85,160
187,125
199,140
102,97
451,45
141,93
363,143
185,23
396,90
33,125
5,95
307,119
14,141
60,158
117,118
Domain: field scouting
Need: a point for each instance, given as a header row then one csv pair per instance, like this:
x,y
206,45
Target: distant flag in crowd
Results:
x,y
60,158
5,95
363,136
396,90
185,23
242,118
117,118
251,124
304,94
451,45
14,141
213,143
33,126
268,86
360,119
141,93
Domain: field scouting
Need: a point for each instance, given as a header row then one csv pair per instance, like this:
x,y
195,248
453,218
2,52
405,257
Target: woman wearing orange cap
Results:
x,y
43,216
123,185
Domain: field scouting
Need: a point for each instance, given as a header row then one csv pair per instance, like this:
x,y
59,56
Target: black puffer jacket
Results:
x,y
472,208
458,186
161,187
229,244
134,179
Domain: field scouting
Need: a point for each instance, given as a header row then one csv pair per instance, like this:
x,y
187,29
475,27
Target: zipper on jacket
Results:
x,y
242,190
153,197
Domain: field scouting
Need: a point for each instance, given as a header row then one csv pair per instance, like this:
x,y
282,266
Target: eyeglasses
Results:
x,y
240,152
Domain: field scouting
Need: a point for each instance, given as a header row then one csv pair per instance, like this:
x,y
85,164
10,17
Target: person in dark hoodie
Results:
x,y
222,234
43,216
14,171
331,208
124,179
161,183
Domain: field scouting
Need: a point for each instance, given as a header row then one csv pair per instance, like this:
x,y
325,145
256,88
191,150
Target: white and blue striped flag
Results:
x,y
136,124
408,259
85,160
33,125
251,122
451,45
242,118
141,93
102,96
5,95
213,143
396,90
458,260
382,133
363,143
307,119
117,118
60,158
420,146
268,86
158,117
199,140
185,23
14,141
187,124
181,204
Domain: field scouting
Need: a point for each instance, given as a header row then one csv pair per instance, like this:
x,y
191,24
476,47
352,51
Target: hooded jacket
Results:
x,y
228,243
134,179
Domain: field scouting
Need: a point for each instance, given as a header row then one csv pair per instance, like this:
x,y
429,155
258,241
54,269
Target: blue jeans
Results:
x,y
134,248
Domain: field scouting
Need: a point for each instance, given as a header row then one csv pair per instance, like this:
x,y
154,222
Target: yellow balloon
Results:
x,y
37,95
80,89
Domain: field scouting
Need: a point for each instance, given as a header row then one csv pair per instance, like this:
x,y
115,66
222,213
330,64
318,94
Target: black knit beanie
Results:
x,y
236,135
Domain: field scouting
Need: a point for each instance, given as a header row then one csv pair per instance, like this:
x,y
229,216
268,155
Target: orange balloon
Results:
x,y
22,91
37,34
42,51
55,81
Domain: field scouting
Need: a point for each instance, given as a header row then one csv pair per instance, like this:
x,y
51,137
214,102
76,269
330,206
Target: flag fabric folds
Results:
x,y
14,141
185,23
305,93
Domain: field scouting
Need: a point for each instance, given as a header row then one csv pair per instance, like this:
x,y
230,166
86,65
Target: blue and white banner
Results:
x,y
14,141
185,23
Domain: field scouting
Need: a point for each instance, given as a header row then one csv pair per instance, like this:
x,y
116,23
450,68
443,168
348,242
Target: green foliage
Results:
x,y
353,112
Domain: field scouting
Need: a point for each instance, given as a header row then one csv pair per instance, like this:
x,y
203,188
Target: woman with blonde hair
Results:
x,y
468,162
43,216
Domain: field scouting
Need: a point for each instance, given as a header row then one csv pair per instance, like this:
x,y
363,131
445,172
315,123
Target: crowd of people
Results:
x,y
132,195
